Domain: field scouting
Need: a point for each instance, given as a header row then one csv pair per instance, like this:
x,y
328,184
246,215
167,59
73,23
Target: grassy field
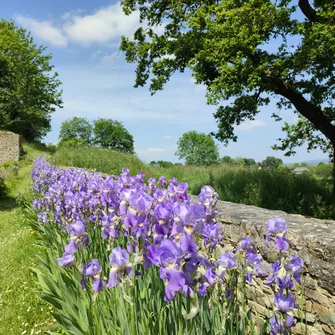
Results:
x,y
276,189
21,309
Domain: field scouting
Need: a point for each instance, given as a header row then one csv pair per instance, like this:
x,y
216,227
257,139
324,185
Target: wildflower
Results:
x,y
93,269
66,260
277,227
119,261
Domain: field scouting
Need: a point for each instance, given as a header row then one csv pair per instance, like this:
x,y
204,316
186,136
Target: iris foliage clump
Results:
x,y
143,258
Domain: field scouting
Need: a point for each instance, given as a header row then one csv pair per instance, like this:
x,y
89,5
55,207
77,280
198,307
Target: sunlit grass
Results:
x,y
21,309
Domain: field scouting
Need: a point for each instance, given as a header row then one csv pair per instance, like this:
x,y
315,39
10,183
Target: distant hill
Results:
x,y
311,162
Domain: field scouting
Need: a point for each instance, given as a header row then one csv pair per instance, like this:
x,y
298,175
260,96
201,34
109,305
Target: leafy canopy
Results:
x,y
271,162
76,128
246,52
29,87
197,149
111,134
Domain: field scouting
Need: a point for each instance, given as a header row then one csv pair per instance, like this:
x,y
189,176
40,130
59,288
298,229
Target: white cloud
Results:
x,y
109,58
43,30
166,137
69,15
156,150
107,91
251,125
102,26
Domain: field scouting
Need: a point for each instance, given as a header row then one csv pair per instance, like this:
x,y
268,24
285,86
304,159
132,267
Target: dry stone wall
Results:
x,y
312,239
9,146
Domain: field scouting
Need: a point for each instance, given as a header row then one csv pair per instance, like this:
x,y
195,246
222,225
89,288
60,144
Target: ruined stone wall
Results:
x,y
312,239
9,146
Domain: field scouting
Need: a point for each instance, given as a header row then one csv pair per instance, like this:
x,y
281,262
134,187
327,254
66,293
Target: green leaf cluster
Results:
x,y
245,53
197,149
106,133
29,87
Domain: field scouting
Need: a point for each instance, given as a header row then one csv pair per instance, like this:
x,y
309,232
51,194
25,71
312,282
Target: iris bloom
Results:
x,y
93,269
119,261
277,227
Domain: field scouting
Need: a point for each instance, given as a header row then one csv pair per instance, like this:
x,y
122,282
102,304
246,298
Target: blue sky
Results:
x,y
83,37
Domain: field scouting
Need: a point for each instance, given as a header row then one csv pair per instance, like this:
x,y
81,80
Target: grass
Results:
x,y
276,189
21,309
101,160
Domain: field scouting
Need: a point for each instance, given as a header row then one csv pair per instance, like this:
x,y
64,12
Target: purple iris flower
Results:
x,y
281,243
227,260
76,228
284,302
254,262
160,195
164,255
66,260
294,266
72,247
98,284
245,244
174,181
162,213
141,201
277,326
93,269
187,244
161,181
119,261
211,233
175,282
194,260
277,227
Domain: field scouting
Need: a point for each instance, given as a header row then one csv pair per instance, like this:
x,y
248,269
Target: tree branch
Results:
x,y
312,113
308,10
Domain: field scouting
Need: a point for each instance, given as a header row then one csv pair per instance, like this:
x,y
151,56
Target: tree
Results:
x,y
29,87
227,160
111,134
271,162
246,52
76,128
197,149
164,164
249,162
238,161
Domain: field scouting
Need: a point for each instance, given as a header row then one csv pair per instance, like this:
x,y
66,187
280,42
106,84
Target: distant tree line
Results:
x,y
106,133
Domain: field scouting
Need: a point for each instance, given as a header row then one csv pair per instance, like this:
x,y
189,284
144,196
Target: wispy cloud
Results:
x,y
102,26
156,150
251,125
45,30
110,57
166,137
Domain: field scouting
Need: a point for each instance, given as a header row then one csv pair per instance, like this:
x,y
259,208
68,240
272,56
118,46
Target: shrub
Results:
x,y
2,188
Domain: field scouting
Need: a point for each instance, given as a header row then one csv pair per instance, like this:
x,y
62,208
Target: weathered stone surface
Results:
x,y
312,239
9,146
325,314
301,329
328,329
